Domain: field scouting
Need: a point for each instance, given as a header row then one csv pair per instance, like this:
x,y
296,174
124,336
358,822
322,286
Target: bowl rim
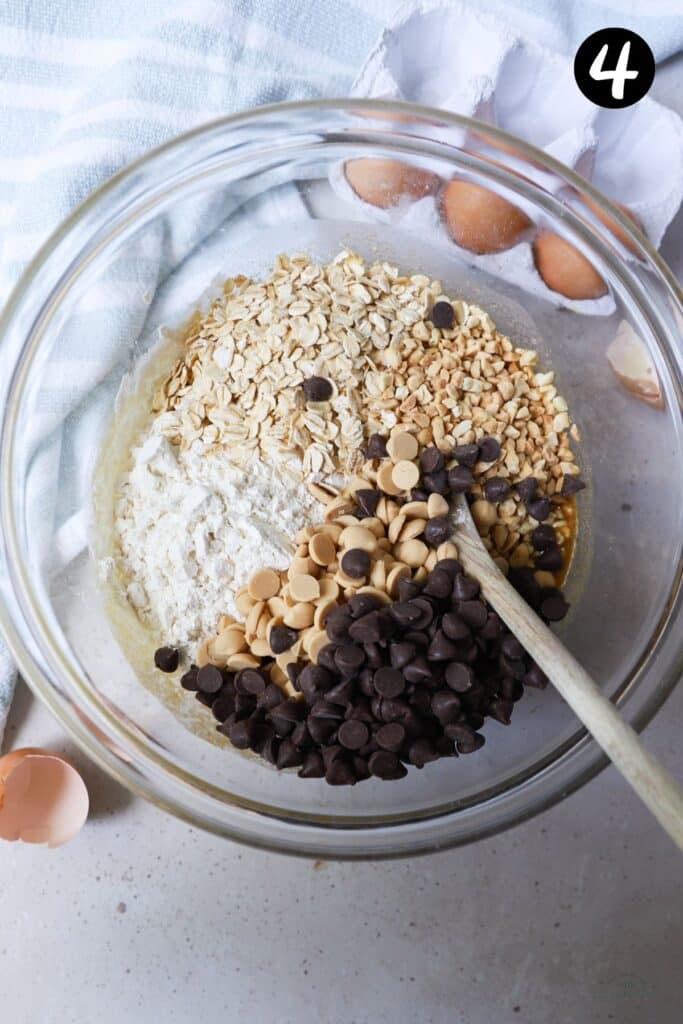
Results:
x,y
148,783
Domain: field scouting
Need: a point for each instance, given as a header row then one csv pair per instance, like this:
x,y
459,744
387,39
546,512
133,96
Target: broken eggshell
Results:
x,y
43,799
632,365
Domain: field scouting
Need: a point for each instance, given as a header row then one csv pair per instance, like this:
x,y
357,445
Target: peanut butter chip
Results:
x,y
412,529
229,641
405,475
263,584
413,552
242,660
304,588
397,573
260,647
358,537
437,506
329,589
202,653
402,446
321,548
300,616
385,481
316,645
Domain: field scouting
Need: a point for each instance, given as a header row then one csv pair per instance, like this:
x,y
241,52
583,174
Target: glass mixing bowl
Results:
x,y
227,198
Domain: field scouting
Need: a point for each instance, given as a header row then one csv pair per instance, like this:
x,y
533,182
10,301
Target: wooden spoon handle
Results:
x,y
652,782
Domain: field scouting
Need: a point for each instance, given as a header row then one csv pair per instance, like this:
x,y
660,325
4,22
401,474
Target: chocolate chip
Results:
x,y
356,563
317,389
536,678
441,648
436,483
539,509
459,677
469,746
401,653
321,729
460,731
368,629
554,607
389,682
408,589
313,767
281,638
525,583
338,623
418,494
361,604
209,679
460,479
526,489
551,560
475,613
251,681
512,648
353,734
188,680
417,671
571,485
501,710
496,489
450,565
421,752
326,659
465,588
385,765
324,709
223,707
489,450
270,698
454,627
406,613
427,612
437,530
342,693
314,680
438,584
466,454
376,447
368,500
442,315
166,659
390,736
340,773
300,735
240,734
446,706
492,628
431,460
543,537
288,756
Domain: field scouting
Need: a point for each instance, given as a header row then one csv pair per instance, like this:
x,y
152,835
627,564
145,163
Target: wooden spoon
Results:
x,y
653,784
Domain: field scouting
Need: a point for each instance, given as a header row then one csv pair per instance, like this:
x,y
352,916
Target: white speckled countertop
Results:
x,y
575,917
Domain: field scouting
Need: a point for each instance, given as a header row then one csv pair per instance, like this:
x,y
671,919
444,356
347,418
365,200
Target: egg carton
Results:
x,y
447,56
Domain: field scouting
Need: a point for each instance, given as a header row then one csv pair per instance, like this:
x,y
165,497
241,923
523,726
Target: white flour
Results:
x,y
192,527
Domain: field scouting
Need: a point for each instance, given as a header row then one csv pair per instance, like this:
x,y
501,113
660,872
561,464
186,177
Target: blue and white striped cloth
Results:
x,y
86,87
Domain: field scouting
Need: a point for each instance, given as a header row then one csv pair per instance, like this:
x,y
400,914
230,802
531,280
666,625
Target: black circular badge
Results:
x,y
614,67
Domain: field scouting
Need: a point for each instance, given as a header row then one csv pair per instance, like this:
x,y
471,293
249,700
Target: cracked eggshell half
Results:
x,y
43,799
632,365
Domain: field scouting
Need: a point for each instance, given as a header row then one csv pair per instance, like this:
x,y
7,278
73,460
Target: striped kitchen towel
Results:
x,y
85,88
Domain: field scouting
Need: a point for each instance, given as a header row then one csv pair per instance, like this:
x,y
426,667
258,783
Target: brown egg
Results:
x,y
612,225
480,220
564,269
384,183
43,799
632,365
